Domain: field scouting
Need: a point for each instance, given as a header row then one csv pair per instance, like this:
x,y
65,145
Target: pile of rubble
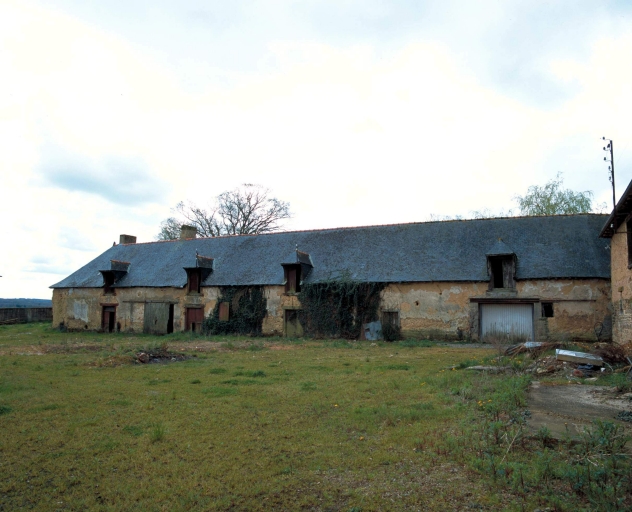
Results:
x,y
159,356
602,358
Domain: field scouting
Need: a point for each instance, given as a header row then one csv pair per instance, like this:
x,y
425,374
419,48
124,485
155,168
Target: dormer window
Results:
x,y
197,272
108,283
501,267
117,271
292,278
501,272
194,280
296,267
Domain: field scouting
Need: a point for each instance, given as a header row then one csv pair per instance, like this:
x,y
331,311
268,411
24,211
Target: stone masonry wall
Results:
x,y
621,284
426,310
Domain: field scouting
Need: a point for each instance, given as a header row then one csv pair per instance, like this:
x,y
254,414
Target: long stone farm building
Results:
x,y
542,278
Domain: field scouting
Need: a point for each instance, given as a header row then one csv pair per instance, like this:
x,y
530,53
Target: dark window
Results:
x,y
224,311
502,272
547,309
628,227
108,282
194,279
390,318
292,278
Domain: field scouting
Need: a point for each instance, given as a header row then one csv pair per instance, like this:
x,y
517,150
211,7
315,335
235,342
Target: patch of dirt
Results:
x,y
160,356
567,409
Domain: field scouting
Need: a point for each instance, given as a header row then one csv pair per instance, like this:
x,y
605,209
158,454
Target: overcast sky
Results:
x,y
355,111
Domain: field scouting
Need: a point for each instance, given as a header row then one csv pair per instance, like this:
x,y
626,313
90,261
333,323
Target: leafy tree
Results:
x,y
553,199
246,210
550,199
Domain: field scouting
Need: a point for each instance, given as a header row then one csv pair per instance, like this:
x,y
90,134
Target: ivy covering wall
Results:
x,y
338,308
247,309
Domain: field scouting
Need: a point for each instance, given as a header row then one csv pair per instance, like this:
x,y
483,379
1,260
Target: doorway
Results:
x,y
108,319
293,327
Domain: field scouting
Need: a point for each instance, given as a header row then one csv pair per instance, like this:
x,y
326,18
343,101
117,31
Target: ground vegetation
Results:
x,y
276,424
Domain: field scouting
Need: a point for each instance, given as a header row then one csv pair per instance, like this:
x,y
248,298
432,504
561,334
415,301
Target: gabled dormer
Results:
x,y
296,267
118,270
198,272
501,267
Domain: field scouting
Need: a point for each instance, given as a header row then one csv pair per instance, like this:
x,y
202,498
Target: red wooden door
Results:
x,y
194,319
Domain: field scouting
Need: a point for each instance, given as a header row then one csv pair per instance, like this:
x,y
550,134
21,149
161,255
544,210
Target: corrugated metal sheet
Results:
x,y
563,246
512,320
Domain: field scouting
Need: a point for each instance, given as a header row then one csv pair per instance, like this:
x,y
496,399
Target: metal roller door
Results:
x,y
512,320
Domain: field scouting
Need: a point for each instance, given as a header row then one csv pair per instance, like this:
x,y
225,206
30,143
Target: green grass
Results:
x,y
290,425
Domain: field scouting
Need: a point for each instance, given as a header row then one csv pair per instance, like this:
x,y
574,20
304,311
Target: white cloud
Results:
x,y
348,133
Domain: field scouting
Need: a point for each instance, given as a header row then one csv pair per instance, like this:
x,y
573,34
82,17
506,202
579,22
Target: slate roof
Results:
x,y
500,248
565,246
620,212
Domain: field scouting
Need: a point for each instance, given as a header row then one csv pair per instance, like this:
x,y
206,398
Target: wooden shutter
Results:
x,y
224,311
194,276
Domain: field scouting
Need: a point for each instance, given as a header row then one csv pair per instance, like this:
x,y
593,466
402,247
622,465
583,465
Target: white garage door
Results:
x,y
512,320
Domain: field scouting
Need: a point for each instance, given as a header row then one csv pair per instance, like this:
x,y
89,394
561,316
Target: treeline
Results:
x,y
25,303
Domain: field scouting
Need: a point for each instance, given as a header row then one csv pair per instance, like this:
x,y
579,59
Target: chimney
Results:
x,y
127,239
187,232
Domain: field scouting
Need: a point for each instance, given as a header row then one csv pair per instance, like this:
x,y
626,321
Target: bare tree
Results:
x,y
246,210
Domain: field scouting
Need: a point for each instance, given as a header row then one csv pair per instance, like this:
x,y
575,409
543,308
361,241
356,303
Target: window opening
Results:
x,y
390,318
292,278
547,309
194,280
108,283
502,272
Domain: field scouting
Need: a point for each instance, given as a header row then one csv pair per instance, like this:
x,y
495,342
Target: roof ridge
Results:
x,y
366,226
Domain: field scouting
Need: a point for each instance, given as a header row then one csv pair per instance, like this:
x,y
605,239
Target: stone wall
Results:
x,y
450,310
445,311
621,284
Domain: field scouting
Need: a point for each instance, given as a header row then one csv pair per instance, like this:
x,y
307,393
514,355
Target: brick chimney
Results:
x,y
187,232
127,239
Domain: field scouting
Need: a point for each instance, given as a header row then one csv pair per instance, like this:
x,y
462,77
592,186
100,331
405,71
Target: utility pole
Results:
x,y
610,147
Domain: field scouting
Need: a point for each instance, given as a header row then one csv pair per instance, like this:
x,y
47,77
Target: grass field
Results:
x,y
254,424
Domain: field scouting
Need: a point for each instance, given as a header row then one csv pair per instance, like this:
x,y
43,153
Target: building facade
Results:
x,y
536,278
618,229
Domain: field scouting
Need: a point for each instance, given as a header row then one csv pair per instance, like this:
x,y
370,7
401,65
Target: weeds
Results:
x,y
596,470
157,433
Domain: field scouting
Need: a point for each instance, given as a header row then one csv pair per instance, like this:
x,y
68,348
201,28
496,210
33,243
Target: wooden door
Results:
x,y
194,319
156,319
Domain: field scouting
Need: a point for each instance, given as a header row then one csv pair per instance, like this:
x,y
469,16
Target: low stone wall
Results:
x,y
25,315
